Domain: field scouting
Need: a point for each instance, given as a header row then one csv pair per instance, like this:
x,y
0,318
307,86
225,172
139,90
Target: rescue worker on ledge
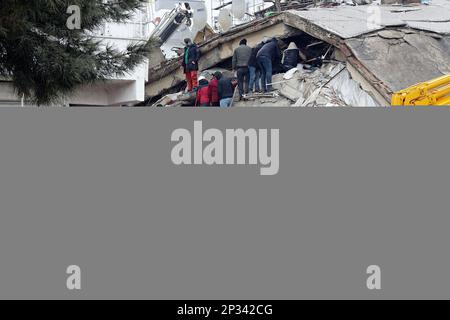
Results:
x,y
267,57
241,58
190,64
255,70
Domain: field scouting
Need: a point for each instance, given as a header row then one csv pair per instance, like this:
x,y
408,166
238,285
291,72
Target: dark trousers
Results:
x,y
266,73
243,76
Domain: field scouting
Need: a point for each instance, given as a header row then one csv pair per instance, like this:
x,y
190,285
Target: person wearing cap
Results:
x,y
291,57
241,58
190,63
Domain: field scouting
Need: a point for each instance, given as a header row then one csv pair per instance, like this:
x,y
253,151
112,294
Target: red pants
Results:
x,y
191,79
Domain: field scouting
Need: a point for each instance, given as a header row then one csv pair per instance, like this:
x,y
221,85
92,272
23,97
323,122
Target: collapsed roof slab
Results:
x,y
327,34
353,21
402,62
216,50
441,27
392,55
346,21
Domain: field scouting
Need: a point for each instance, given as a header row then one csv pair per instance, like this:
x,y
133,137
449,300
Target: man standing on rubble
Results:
x,y
266,57
190,64
255,69
241,58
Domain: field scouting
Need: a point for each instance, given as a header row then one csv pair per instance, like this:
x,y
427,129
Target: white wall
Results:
x,y
128,89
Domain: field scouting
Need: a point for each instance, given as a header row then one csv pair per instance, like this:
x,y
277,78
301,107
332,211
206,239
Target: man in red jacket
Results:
x,y
203,94
214,91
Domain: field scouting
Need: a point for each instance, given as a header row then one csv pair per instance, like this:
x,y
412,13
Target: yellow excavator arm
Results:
x,y
432,93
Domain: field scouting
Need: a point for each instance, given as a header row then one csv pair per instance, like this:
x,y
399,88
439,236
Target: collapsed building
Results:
x,y
366,53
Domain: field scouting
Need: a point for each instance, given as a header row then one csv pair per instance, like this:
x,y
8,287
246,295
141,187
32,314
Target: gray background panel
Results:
x,y
96,188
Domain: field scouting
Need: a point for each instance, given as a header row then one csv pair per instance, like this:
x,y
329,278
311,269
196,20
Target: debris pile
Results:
x,y
328,86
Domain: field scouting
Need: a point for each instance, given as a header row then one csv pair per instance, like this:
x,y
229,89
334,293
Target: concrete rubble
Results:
x,y
376,50
329,86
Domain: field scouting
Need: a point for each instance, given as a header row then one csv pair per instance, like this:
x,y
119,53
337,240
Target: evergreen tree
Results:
x,y
46,60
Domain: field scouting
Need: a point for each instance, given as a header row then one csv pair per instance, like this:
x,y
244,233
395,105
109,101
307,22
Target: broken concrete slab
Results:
x,y
437,27
427,13
263,100
157,58
350,21
331,85
347,21
401,63
434,17
178,99
391,34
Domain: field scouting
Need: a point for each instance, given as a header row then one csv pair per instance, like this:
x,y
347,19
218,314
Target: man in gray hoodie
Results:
x,y
241,59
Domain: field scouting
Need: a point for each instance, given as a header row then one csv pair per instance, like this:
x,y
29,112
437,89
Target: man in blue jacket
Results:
x,y
266,57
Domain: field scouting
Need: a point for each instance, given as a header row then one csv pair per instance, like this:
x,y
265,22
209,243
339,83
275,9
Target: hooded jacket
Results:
x,y
203,95
291,56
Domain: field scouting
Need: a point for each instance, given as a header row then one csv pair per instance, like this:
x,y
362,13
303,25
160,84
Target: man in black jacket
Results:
x,y
225,89
190,64
267,57
291,57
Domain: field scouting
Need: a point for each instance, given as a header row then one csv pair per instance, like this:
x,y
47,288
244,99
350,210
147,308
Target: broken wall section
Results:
x,y
403,57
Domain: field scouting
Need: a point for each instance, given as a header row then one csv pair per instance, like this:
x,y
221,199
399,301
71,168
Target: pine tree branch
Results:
x,y
47,61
